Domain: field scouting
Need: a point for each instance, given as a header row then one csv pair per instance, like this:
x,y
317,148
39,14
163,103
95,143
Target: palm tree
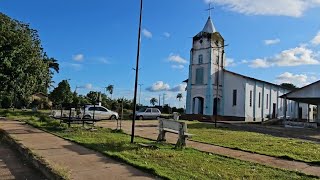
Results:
x,y
179,96
153,101
52,63
110,89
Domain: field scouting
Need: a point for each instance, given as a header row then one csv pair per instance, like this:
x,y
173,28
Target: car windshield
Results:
x,y
142,109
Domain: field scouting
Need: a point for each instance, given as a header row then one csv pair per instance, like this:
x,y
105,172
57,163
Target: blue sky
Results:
x,y
96,42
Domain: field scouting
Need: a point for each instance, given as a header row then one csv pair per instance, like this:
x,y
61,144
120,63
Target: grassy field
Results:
x,y
163,161
256,142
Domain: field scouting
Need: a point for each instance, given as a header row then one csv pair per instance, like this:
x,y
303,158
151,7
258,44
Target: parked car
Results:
x,y
148,113
100,112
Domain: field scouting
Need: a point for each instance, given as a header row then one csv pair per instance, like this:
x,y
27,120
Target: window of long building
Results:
x,y
234,102
259,103
250,99
267,106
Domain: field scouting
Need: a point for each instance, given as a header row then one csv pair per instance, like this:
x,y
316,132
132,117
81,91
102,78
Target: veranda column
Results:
x,y
285,110
318,113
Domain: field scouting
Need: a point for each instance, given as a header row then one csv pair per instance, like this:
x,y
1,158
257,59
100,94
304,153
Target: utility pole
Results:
x,y
140,93
159,98
163,97
137,75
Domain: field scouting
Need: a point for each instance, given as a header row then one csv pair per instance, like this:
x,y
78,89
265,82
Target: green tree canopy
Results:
x,y
23,68
62,94
289,86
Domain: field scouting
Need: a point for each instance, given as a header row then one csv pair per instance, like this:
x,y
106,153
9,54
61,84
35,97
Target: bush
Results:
x,y
6,102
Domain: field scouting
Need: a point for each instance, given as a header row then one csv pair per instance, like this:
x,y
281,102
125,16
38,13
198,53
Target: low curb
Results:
x,y
36,161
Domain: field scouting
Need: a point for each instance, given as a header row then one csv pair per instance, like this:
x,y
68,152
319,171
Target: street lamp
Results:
x,y
137,75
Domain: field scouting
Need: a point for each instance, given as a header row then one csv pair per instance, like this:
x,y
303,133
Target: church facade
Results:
x,y
213,90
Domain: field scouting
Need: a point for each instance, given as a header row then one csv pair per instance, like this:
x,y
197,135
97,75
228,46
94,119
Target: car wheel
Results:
x,y
87,117
140,117
158,118
113,117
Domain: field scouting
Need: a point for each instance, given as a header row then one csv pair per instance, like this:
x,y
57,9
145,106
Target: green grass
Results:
x,y
164,161
256,142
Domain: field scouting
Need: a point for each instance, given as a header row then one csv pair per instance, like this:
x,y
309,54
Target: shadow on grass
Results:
x,y
304,134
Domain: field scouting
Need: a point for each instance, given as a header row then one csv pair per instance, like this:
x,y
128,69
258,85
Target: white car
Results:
x,y
148,113
99,112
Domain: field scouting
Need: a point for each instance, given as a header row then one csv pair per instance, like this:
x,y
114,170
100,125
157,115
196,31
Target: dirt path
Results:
x,y
148,129
76,161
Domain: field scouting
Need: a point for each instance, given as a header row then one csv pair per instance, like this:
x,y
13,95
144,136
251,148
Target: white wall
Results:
x,y
258,109
232,82
249,109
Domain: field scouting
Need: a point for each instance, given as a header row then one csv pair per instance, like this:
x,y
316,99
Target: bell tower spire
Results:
x,y
209,27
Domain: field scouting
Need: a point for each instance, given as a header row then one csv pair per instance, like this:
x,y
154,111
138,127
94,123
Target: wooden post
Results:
x,y
182,138
162,134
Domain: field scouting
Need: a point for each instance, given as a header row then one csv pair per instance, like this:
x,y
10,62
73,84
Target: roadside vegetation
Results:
x,y
288,148
161,160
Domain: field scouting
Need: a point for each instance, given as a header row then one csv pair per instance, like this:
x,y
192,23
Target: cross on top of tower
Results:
x,y
209,10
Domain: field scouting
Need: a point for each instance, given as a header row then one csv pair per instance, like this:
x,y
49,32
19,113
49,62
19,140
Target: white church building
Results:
x,y
213,90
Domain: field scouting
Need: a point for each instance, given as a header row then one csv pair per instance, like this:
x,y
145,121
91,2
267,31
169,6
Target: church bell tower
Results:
x,y
207,61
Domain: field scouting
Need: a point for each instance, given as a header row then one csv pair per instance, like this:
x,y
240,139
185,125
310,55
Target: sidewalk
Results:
x,y
148,129
13,167
77,161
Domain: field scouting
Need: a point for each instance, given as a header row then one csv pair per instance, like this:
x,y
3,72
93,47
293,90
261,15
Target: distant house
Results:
x,y
42,98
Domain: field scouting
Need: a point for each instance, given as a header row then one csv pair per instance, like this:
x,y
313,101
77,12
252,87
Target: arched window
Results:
x,y
200,59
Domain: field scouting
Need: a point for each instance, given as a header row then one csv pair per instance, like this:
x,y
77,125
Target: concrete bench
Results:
x,y
175,127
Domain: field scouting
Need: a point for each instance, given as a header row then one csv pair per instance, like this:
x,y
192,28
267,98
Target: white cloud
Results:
x,y
291,57
316,39
244,62
86,86
177,59
298,80
166,34
78,57
271,41
103,60
75,66
259,63
292,8
158,86
147,33
230,62
179,88
177,66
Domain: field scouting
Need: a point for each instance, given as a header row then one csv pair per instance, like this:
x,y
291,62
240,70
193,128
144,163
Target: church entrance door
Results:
x,y
198,104
216,106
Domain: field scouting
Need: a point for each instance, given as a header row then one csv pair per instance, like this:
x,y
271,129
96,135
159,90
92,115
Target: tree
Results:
x,y
62,94
110,89
53,66
93,97
179,96
153,101
289,86
23,70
